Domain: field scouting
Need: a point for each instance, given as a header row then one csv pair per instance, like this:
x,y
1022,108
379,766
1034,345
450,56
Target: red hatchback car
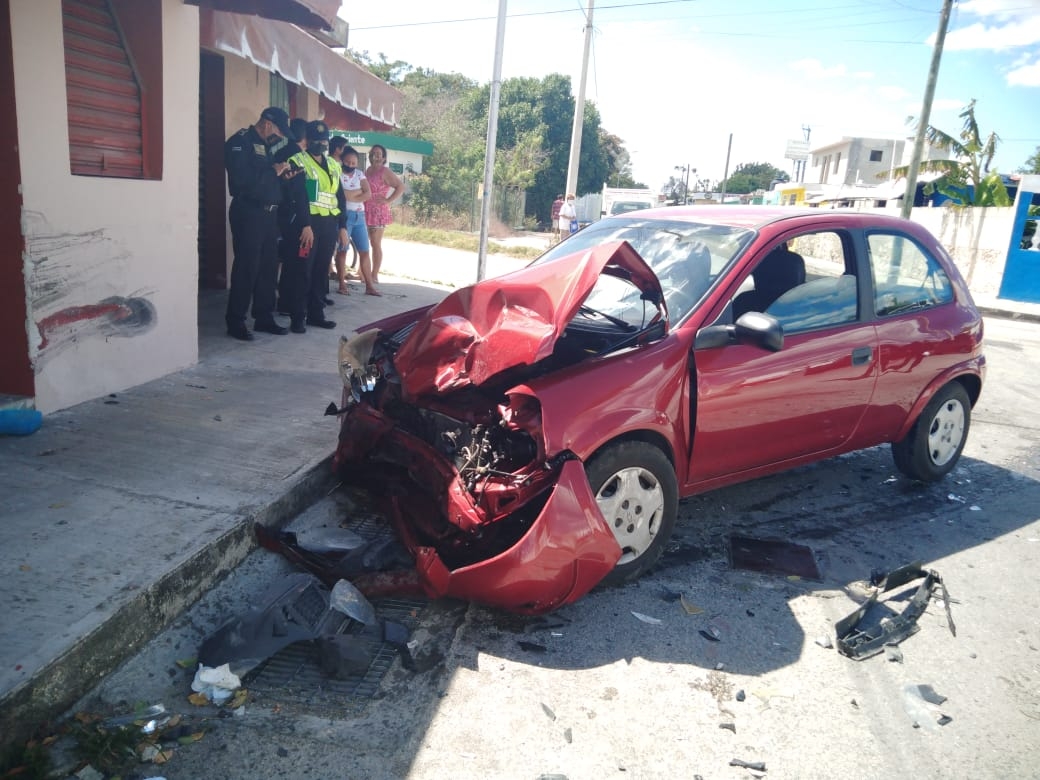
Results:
x,y
533,433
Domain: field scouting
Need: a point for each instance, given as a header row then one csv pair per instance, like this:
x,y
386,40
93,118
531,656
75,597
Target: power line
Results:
x,y
515,16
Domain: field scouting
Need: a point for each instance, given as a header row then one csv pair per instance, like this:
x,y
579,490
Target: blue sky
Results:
x,y
673,78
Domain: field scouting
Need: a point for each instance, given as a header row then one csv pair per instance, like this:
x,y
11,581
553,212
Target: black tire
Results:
x,y
635,488
934,444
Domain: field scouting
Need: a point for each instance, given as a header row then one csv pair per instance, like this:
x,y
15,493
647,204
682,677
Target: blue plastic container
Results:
x,y
20,422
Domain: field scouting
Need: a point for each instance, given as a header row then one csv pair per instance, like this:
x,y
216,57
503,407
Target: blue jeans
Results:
x,y
356,230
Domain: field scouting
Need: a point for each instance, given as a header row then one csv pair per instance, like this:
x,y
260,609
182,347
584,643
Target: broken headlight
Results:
x,y
354,368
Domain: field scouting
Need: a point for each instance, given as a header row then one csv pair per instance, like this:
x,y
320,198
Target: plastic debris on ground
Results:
x,y
646,618
871,626
688,606
773,557
711,633
921,703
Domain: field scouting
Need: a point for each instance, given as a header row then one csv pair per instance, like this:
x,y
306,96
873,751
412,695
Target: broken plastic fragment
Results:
x,y
756,766
646,618
920,703
347,599
711,633
958,499
824,641
729,727
893,653
548,712
688,606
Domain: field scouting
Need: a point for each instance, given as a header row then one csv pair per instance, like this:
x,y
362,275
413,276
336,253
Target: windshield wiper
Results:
x,y
616,321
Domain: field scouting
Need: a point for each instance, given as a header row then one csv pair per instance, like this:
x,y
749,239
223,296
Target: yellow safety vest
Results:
x,y
321,186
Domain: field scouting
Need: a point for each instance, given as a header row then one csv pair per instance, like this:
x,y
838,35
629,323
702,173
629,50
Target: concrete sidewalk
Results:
x,y
120,512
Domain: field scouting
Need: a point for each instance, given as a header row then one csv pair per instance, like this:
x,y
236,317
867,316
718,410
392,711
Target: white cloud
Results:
x,y
1001,9
862,74
814,69
1009,33
1027,75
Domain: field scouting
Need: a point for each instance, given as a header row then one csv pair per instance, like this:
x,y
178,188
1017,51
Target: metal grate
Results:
x,y
294,675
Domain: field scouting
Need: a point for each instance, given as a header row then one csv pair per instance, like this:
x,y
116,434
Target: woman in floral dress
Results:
x,y
386,187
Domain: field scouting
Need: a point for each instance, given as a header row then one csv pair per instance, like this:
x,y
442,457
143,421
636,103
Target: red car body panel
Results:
x,y
567,551
479,331
721,415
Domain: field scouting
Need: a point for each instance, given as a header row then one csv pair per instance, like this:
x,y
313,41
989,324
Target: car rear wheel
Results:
x,y
933,446
635,488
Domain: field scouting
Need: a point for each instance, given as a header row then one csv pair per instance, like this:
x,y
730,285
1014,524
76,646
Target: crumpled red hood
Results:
x,y
509,321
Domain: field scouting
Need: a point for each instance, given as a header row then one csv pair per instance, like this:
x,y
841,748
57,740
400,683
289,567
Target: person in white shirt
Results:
x,y
568,216
356,191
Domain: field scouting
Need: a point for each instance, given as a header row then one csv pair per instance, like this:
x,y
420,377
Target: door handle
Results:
x,y
861,355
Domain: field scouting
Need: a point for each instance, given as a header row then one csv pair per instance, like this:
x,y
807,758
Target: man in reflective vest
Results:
x,y
326,220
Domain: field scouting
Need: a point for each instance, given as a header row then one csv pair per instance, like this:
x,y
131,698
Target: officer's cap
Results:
x,y
280,120
317,131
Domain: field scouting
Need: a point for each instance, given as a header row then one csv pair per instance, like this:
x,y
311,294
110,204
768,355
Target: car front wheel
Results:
x,y
635,488
934,444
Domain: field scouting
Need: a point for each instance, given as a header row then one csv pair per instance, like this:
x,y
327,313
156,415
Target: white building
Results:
x,y
113,206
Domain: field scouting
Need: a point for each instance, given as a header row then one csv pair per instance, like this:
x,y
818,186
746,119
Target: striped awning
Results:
x,y
298,57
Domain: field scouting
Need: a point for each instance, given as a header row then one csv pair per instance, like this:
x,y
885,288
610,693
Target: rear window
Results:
x,y
906,277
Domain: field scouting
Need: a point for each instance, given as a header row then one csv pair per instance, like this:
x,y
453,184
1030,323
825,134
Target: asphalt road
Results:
x,y
595,691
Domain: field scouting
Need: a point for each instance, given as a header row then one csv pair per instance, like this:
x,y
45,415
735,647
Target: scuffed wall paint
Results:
x,y
59,268
111,265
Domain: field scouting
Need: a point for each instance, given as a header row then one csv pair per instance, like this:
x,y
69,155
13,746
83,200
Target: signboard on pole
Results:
x,y
797,150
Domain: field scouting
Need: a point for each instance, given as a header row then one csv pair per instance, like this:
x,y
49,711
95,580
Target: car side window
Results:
x,y
807,282
906,277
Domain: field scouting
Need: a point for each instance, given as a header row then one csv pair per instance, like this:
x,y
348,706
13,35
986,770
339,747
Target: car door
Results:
x,y
756,408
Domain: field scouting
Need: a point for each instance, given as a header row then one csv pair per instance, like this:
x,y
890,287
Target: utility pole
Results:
x,y
926,110
725,175
579,110
806,130
492,139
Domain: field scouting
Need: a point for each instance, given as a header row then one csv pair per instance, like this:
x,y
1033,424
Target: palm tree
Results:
x,y
969,168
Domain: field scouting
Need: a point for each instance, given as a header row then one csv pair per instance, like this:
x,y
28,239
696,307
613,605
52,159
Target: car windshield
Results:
x,y
686,256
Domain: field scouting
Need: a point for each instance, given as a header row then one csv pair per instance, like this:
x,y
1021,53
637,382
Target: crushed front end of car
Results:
x,y
439,420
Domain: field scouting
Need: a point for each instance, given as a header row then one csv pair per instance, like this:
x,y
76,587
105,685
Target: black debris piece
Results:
x,y
741,695
343,655
773,557
729,727
757,766
711,636
532,647
858,641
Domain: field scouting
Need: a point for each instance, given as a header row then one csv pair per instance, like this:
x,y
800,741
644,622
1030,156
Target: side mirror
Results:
x,y
762,330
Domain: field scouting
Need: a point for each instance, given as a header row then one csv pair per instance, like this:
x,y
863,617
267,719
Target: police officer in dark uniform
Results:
x,y
256,191
289,225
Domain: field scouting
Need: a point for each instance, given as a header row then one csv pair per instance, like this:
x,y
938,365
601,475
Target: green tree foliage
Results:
x,y
748,177
390,72
973,155
1032,163
533,140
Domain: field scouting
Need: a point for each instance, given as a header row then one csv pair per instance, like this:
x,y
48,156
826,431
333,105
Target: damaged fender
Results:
x,y
567,551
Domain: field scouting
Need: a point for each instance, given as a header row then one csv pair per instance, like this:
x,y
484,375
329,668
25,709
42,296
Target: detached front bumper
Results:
x,y
565,552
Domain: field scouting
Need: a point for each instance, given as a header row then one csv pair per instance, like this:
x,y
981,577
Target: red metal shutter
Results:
x,y
104,98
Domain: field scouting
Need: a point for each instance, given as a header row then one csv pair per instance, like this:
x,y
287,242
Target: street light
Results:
x,y
686,169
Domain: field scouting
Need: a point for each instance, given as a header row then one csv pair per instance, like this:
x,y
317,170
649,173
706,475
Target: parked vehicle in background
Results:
x,y
533,433
617,200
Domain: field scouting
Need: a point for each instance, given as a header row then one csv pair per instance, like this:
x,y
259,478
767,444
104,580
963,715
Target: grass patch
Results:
x,y
456,240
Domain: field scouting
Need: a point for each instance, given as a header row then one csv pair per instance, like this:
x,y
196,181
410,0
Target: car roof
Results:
x,y
756,217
